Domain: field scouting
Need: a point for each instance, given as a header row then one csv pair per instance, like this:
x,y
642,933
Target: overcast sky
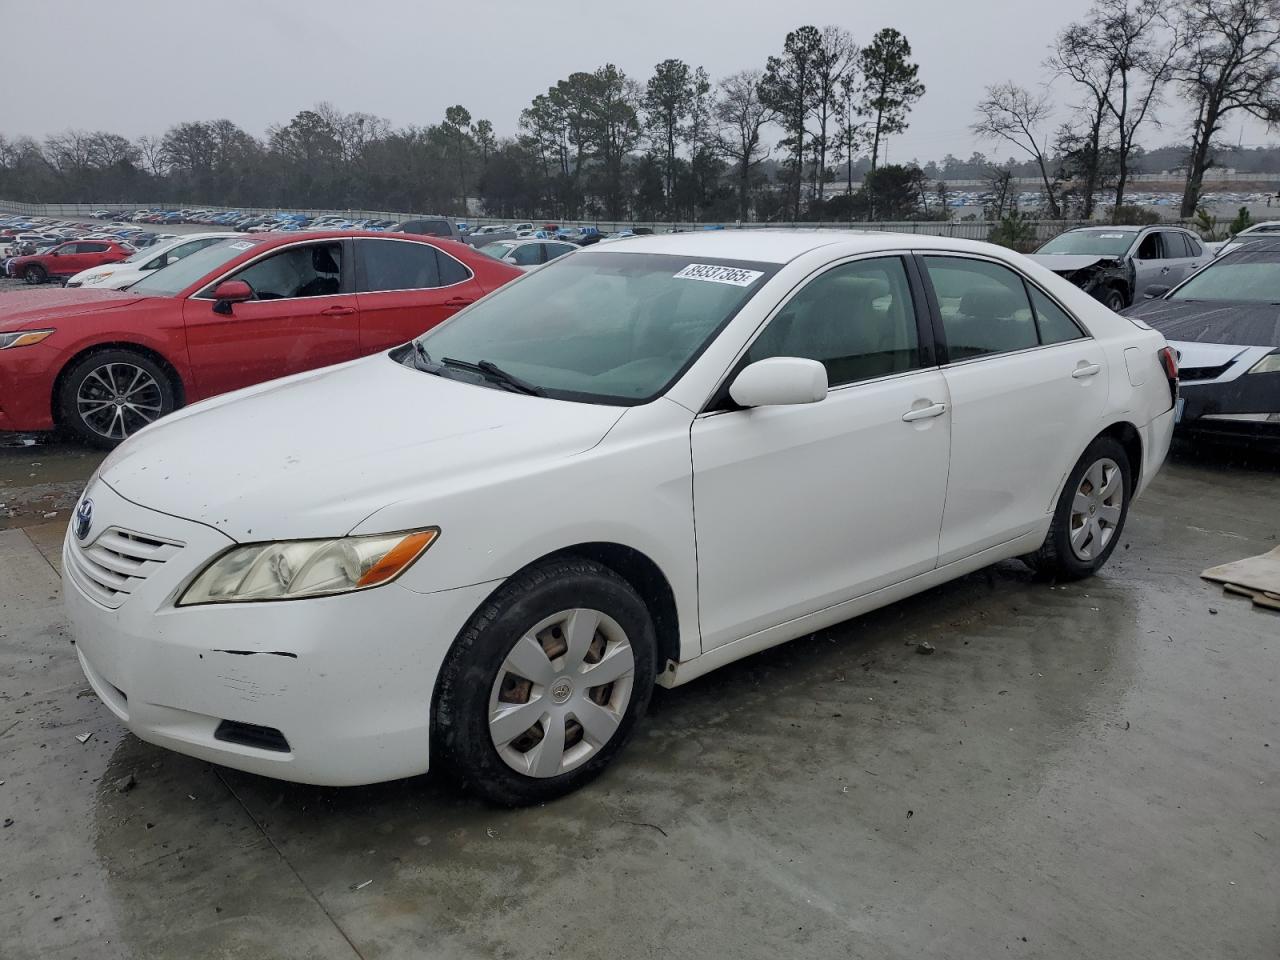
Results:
x,y
138,66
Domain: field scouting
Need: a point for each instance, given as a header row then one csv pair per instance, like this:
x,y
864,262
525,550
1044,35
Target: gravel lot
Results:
x,y
1090,770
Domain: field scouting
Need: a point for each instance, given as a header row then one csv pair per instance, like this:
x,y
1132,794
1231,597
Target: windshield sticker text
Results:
x,y
711,273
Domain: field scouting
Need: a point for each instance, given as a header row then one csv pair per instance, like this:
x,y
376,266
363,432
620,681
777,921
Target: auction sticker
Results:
x,y
734,276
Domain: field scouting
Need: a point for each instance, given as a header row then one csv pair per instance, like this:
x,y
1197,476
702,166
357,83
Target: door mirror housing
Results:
x,y
1155,291
229,292
779,382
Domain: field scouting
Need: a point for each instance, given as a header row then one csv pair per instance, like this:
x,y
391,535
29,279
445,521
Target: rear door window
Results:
x,y
397,265
984,306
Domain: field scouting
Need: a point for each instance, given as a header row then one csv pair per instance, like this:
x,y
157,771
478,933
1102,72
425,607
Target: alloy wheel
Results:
x,y
561,693
1096,509
118,399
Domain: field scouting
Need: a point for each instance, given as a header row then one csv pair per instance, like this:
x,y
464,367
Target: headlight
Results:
x,y
22,338
1268,364
293,569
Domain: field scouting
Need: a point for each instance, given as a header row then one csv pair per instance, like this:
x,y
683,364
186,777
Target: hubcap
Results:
x,y
1095,510
118,399
561,693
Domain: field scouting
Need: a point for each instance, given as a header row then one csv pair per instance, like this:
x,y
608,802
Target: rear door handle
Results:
x,y
459,302
1086,370
924,413
337,311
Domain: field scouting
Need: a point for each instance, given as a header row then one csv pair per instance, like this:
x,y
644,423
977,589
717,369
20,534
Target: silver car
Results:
x,y
1117,264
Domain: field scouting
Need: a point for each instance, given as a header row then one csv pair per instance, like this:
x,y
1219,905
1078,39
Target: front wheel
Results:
x,y
1090,514
108,396
35,274
545,685
1114,299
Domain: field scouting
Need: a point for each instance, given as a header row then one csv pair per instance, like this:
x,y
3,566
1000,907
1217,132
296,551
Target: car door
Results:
x,y
66,260
1191,259
406,287
303,315
1153,263
798,508
1027,388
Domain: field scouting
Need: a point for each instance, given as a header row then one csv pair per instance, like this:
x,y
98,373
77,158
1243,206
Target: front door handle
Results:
x,y
459,302
337,311
1163,271
1085,369
924,413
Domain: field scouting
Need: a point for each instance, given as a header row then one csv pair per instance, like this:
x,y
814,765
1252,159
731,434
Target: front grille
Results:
x,y
1186,374
117,563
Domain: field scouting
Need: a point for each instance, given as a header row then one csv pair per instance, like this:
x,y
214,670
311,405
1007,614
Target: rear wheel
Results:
x,y
1090,515
35,274
545,685
110,395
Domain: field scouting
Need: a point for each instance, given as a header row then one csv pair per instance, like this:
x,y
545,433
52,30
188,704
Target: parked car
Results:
x,y
103,364
527,254
117,276
1225,325
429,227
68,259
1116,264
1259,231
836,421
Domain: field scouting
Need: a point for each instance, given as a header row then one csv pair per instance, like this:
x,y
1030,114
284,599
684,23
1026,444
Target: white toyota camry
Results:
x,y
633,466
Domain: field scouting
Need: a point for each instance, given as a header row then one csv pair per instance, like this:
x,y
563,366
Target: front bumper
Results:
x,y
347,680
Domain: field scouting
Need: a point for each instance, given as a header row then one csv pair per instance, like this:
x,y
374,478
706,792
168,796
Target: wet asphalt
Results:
x,y
1083,770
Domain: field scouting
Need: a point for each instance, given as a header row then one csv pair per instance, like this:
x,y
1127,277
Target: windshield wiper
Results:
x,y
491,371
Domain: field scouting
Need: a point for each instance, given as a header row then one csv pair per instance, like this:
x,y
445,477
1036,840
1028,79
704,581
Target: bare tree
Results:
x,y
1231,64
1013,114
1085,138
740,117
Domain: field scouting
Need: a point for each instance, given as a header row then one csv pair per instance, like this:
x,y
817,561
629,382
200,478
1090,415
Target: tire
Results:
x,y
482,703
1113,298
35,274
1084,533
89,390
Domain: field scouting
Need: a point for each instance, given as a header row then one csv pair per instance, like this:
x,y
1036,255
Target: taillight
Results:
x,y
1169,360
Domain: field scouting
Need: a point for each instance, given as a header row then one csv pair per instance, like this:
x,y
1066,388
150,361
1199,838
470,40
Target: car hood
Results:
x,y
25,308
315,454
1245,324
1068,262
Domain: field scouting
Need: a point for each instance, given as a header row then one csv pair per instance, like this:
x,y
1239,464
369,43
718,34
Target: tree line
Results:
x,y
679,145
1122,62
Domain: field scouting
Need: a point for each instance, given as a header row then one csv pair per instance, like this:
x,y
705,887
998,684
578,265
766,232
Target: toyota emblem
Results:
x,y
84,518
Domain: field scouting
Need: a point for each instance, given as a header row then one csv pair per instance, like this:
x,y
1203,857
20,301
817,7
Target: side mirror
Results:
x,y
1155,291
780,381
229,292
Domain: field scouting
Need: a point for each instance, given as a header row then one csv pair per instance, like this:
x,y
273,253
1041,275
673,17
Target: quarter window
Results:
x,y
856,319
527,255
1054,323
451,271
984,307
314,270
398,265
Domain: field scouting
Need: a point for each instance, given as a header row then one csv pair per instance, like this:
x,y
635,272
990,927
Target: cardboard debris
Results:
x,y
1255,577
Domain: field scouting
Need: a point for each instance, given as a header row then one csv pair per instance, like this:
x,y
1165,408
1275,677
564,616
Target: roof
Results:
x,y
782,246
1245,248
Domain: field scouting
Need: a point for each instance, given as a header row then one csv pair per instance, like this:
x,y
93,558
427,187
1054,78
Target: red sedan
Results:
x,y
68,259
104,364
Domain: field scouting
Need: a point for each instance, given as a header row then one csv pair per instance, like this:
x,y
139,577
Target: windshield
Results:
x,y
176,277
1243,277
602,327
1093,243
498,250
146,253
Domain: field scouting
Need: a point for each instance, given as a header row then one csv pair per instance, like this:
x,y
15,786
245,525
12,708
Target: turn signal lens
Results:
x,y
294,569
1268,364
22,338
